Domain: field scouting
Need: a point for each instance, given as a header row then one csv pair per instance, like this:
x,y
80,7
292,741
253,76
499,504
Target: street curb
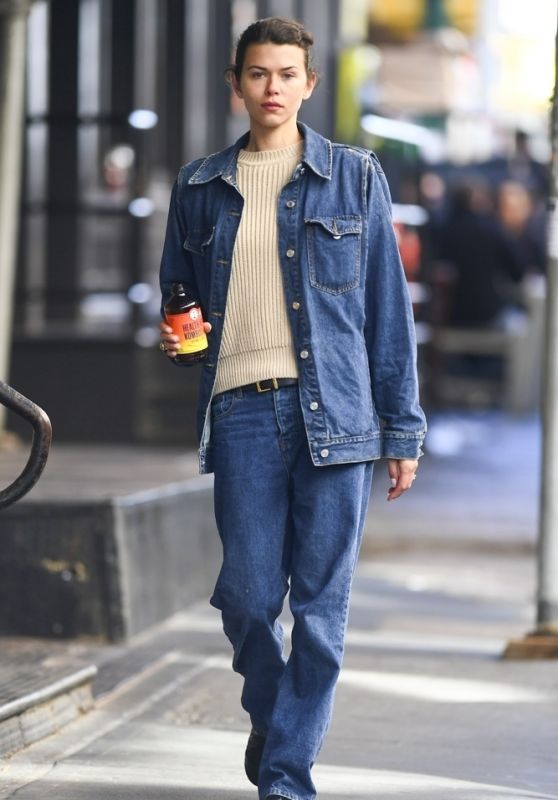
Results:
x,y
44,711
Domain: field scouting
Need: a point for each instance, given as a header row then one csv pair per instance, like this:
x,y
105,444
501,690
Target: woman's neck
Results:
x,y
272,139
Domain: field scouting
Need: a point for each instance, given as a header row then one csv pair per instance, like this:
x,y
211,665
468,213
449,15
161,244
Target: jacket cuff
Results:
x,y
402,445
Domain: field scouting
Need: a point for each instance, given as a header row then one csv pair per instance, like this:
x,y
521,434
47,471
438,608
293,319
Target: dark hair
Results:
x,y
277,30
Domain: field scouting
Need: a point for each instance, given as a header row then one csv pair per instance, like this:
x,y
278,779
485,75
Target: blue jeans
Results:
x,y
285,524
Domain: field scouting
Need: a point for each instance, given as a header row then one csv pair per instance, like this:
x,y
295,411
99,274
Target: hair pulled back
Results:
x,y
277,30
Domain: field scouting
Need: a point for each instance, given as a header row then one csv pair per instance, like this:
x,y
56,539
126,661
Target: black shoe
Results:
x,y
253,755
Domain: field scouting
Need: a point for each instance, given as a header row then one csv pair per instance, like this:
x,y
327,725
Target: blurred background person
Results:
x,y
487,266
524,224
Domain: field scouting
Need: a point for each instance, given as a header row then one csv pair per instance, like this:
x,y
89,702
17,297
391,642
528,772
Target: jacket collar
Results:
x,y
317,155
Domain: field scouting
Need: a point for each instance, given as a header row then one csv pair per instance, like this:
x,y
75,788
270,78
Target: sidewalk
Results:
x,y
425,706
477,488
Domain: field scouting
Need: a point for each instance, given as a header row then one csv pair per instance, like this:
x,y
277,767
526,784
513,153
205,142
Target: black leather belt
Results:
x,y
268,384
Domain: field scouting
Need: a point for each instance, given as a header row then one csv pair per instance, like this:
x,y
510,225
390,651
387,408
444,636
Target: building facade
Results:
x,y
119,94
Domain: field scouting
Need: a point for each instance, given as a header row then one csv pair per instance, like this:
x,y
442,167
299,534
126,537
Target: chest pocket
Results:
x,y
334,245
198,241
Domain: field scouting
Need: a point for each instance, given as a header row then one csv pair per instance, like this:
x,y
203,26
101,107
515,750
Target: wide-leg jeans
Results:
x,y
285,525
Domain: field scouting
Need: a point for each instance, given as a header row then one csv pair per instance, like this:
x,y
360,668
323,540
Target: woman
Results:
x,y
287,241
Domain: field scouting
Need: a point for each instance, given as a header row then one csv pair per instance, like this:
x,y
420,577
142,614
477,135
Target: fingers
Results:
x,y
393,470
402,473
169,340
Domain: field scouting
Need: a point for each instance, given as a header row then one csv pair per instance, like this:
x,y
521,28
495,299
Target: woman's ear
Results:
x,y
235,85
310,86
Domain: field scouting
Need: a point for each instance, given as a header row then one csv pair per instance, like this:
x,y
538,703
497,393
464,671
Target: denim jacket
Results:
x,y
345,289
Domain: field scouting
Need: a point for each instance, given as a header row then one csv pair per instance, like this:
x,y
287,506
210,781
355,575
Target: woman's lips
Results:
x,y
271,106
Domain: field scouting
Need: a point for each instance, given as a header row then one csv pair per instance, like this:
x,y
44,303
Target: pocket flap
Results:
x,y
338,226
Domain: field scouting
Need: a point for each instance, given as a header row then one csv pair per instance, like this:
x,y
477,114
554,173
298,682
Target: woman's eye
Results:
x,y
257,74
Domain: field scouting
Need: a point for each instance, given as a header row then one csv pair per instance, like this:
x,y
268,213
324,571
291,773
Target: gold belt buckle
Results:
x,y
259,387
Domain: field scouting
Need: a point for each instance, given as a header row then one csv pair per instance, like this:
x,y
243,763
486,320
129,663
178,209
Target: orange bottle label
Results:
x,y
189,329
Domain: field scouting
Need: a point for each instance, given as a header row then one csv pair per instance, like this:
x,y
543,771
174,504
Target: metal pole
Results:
x,y
547,594
13,17
543,641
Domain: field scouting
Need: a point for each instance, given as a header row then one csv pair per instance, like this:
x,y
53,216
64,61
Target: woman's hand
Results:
x,y
402,473
170,340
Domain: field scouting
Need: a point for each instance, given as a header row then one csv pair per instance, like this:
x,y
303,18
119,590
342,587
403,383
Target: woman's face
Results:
x,y
273,84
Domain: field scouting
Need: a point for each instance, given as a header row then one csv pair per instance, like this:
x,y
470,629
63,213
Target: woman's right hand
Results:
x,y
170,340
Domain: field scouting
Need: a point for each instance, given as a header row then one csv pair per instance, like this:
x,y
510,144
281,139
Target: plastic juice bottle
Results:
x,y
183,314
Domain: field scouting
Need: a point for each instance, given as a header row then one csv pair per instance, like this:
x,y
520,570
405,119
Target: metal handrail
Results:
x,y
42,437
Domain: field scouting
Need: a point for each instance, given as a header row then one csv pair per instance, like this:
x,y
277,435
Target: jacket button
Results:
x,y
314,406
324,453
296,305
290,203
304,354
290,253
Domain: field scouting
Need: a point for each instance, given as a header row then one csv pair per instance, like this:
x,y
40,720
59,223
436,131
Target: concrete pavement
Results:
x,y
425,706
477,487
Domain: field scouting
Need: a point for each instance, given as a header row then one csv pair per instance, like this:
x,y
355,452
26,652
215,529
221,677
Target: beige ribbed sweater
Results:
x,y
257,342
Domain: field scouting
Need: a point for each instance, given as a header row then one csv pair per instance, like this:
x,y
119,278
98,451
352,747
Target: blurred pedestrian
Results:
x,y
525,225
520,166
486,263
286,239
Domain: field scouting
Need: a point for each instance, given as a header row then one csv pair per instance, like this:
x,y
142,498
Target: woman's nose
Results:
x,y
272,85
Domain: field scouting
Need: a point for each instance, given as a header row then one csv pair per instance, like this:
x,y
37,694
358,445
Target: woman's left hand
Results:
x,y
402,473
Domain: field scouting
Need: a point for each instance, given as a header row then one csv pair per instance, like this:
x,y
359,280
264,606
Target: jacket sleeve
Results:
x,y
176,262
389,328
